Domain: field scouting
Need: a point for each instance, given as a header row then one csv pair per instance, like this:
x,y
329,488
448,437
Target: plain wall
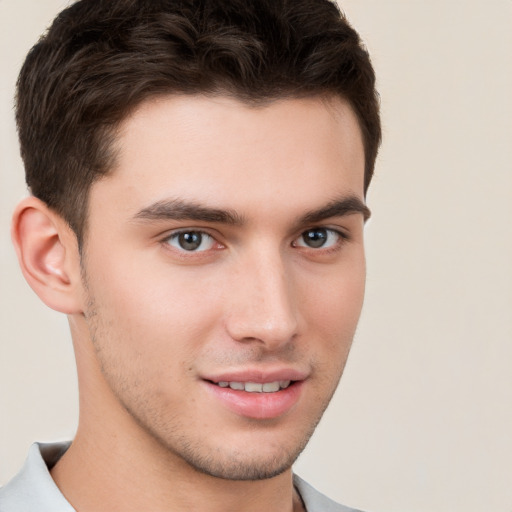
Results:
x,y
423,418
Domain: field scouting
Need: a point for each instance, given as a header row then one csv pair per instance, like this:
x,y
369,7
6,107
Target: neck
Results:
x,y
121,476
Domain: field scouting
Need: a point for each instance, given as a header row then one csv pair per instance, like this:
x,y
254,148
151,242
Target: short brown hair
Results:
x,y
100,59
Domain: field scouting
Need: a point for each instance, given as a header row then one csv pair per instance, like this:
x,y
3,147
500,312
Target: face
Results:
x,y
224,274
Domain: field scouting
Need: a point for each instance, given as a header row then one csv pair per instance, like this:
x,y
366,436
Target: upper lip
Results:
x,y
257,375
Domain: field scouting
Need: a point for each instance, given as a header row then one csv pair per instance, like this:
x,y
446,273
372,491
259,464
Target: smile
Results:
x,y
263,400
256,387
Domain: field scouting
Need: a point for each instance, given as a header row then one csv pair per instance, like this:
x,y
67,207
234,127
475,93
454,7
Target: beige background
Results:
x,y
423,418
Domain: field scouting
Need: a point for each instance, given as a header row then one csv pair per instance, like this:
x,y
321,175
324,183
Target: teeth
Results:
x,y
253,387
270,387
256,387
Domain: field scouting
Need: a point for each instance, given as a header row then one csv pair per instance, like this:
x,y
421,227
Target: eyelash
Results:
x,y
175,236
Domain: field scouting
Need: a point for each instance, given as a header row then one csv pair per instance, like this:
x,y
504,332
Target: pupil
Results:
x,y
190,241
315,237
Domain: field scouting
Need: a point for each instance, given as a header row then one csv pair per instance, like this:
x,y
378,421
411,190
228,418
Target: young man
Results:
x,y
198,172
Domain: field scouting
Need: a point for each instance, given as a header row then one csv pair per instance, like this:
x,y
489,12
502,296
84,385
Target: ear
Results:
x,y
48,255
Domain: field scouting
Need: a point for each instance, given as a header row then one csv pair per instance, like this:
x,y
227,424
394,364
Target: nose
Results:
x,y
262,306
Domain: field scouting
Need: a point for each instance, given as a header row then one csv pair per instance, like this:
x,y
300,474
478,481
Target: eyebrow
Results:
x,y
337,208
178,209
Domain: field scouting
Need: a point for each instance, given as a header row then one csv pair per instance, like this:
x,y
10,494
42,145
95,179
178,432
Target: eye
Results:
x,y
191,241
318,238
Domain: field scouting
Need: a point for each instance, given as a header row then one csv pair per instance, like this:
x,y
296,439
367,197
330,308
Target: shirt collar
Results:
x,y
33,487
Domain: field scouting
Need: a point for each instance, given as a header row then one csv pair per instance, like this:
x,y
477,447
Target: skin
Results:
x,y
152,322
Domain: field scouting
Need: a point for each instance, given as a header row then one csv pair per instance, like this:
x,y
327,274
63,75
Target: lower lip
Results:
x,y
258,405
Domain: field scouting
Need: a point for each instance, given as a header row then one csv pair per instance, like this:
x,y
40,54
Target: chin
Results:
x,y
242,459
242,467
246,456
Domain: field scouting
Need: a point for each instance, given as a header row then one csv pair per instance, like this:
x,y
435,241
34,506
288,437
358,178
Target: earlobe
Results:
x,y
48,255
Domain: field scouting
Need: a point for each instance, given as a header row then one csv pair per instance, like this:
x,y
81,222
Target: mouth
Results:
x,y
258,396
255,387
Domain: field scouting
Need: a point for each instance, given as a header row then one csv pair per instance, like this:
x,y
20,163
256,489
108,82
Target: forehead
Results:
x,y
221,150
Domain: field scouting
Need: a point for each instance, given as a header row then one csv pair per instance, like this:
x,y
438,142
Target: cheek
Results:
x,y
169,310
334,303
333,313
